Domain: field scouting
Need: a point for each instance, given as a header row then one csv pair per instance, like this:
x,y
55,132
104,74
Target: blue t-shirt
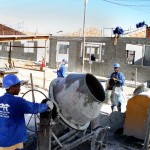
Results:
x,y
120,76
12,122
62,71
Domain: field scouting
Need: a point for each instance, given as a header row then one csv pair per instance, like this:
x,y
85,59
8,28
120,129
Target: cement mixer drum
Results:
x,y
78,99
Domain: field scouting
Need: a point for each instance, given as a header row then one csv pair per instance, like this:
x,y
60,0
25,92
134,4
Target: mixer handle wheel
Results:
x,y
37,126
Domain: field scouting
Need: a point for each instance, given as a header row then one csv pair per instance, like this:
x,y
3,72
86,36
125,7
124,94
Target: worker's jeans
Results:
x,y
116,98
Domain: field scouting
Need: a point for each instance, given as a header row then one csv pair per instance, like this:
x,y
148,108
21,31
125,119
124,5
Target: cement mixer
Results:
x,y
77,99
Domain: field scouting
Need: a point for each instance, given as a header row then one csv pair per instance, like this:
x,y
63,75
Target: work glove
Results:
x,y
50,104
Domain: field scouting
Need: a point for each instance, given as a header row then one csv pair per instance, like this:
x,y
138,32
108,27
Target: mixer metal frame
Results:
x,y
69,140
97,138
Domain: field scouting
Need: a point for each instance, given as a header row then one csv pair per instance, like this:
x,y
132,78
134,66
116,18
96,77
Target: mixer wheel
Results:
x,y
99,140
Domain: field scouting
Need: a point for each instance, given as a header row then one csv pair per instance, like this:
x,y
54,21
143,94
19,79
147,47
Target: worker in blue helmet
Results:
x,y
13,132
117,81
61,72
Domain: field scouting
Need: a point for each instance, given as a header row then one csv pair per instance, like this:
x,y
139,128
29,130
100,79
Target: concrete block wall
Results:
x,y
53,54
3,51
74,56
113,54
110,51
18,52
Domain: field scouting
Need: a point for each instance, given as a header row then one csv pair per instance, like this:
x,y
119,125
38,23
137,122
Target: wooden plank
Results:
x,y
19,38
29,46
10,71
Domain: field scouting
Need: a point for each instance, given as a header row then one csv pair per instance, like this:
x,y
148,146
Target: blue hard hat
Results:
x,y
10,80
116,65
64,60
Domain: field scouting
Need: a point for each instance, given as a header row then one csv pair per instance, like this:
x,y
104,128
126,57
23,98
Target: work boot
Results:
x,y
119,108
114,108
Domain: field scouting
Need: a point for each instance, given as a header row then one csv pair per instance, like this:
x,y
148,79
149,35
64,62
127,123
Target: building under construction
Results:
x,y
78,99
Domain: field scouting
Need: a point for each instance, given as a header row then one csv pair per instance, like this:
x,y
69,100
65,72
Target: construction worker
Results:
x,y
118,80
61,72
13,132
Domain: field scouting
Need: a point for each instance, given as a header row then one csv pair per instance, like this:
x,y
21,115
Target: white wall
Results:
x,y
137,49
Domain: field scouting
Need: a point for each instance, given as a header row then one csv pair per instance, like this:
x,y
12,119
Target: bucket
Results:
x,y
79,98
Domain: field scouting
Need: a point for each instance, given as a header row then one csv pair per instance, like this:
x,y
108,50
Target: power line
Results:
x,y
128,5
133,0
123,4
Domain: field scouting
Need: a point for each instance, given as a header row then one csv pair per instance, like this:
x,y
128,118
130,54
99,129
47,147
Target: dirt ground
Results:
x,y
116,140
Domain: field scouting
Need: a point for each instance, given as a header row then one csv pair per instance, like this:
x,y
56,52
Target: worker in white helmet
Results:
x,y
13,132
117,80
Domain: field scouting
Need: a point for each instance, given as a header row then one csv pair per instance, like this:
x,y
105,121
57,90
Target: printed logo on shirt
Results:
x,y
4,110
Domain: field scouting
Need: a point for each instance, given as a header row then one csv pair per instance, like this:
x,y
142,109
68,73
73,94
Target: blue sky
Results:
x,y
50,16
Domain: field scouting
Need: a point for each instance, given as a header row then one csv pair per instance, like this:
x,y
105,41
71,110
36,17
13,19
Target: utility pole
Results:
x,y
9,57
83,48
